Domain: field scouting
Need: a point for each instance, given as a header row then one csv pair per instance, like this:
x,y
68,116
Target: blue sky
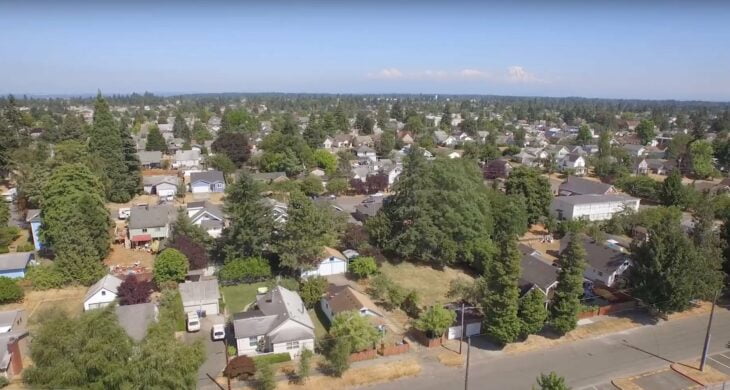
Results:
x,y
618,49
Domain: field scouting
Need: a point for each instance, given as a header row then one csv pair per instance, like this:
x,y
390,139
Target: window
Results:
x,y
292,345
253,341
103,293
144,230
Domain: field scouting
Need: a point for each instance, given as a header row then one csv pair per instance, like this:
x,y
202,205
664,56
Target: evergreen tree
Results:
x,y
107,143
180,128
645,131
584,135
502,297
534,187
672,191
566,301
252,224
155,140
386,143
532,313
133,178
314,133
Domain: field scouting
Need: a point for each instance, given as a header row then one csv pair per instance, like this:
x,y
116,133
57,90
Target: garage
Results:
x,y
201,297
333,264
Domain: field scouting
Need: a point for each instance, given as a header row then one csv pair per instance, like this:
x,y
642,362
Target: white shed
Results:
x,y
333,263
102,293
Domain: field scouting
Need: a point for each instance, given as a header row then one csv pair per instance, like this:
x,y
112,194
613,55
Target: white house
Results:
x,y
162,186
367,152
186,159
605,261
207,182
200,297
593,207
278,323
327,143
333,263
102,293
574,162
208,216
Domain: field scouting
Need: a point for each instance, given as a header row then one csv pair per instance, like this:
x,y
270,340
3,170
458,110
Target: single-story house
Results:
x,y
151,159
270,177
208,216
536,272
592,207
340,299
473,319
333,262
33,217
278,323
579,186
12,333
366,152
499,168
342,141
163,186
605,262
136,319
186,159
102,293
201,297
207,181
149,223
13,265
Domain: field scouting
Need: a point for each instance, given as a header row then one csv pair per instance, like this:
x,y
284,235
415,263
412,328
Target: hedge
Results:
x,y
247,270
273,358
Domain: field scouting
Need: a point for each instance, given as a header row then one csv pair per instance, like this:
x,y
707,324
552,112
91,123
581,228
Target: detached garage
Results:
x,y
200,297
333,263
472,322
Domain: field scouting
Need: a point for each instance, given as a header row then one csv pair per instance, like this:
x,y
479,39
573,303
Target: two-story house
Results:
x,y
150,223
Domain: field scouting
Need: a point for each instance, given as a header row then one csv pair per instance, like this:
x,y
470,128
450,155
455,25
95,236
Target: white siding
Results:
x,y
101,299
210,308
297,349
329,266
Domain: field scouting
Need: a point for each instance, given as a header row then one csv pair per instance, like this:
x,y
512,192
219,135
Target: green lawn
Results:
x,y
239,296
321,324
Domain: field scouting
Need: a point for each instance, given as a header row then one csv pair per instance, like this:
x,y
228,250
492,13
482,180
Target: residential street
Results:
x,y
583,363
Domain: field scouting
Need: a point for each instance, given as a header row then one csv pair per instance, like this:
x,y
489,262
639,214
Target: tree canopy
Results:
x,y
534,188
566,302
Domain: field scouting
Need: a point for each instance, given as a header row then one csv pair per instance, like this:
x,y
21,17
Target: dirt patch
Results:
x,y
385,372
159,172
705,378
121,256
451,359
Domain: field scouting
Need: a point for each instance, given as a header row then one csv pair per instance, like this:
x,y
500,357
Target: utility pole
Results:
x,y
463,329
707,335
466,373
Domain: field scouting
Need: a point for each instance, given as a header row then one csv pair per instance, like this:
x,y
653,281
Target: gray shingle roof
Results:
x,y
207,176
593,198
535,270
150,216
149,157
600,256
136,319
198,293
158,179
13,261
581,186
274,308
108,282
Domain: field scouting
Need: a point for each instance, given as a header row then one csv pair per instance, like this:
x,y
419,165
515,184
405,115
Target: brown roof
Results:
x,y
346,298
332,252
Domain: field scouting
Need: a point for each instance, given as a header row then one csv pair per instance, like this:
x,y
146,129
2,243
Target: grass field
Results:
x,y
239,296
431,284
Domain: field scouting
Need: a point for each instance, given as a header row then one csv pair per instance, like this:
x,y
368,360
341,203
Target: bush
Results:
x,y
312,289
133,291
232,350
44,277
170,265
363,267
25,247
435,321
9,290
241,366
248,270
4,381
272,359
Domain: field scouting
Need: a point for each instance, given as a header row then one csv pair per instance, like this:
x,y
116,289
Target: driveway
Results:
x,y
215,352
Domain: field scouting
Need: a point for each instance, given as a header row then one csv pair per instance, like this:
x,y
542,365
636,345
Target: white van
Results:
x,y
193,322
218,332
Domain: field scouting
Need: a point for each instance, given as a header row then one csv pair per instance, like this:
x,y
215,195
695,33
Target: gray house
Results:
x,y
150,223
151,159
161,185
207,182
136,319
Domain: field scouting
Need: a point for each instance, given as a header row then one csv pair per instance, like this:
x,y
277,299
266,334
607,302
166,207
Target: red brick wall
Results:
x,y
363,355
389,350
16,362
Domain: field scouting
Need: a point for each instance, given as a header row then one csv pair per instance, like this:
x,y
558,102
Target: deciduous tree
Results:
x,y
233,145
534,188
134,290
356,329
170,266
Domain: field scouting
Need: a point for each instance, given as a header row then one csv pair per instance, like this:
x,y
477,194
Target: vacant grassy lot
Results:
x,y
431,284
239,296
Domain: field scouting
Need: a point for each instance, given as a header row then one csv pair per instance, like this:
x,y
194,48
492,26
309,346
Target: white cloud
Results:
x,y
513,74
474,74
387,73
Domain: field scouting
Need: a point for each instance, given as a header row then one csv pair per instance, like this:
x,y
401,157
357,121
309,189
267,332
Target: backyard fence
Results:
x,y
394,349
363,355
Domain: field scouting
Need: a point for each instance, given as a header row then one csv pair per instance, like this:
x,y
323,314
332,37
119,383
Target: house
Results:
x,y
13,265
150,223
641,166
333,262
579,186
364,140
473,319
136,319
406,138
525,158
339,299
33,218
279,210
661,166
482,136
151,159
102,293
207,182
367,152
201,297
163,186
592,207
208,216
443,139
574,162
455,154
558,151
499,168
536,272
605,261
279,323
12,334
186,159
342,141
327,143
270,177
634,151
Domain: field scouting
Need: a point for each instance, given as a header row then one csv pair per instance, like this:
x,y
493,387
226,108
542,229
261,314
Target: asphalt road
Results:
x,y
584,363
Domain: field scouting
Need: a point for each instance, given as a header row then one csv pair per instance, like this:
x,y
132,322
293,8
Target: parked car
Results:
x,y
218,332
193,322
124,212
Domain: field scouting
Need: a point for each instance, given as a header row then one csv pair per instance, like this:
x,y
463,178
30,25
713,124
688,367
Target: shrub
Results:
x,y
133,291
9,290
338,357
44,277
305,365
170,265
247,270
435,321
363,267
312,289
272,359
25,247
411,303
232,350
240,366
265,377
